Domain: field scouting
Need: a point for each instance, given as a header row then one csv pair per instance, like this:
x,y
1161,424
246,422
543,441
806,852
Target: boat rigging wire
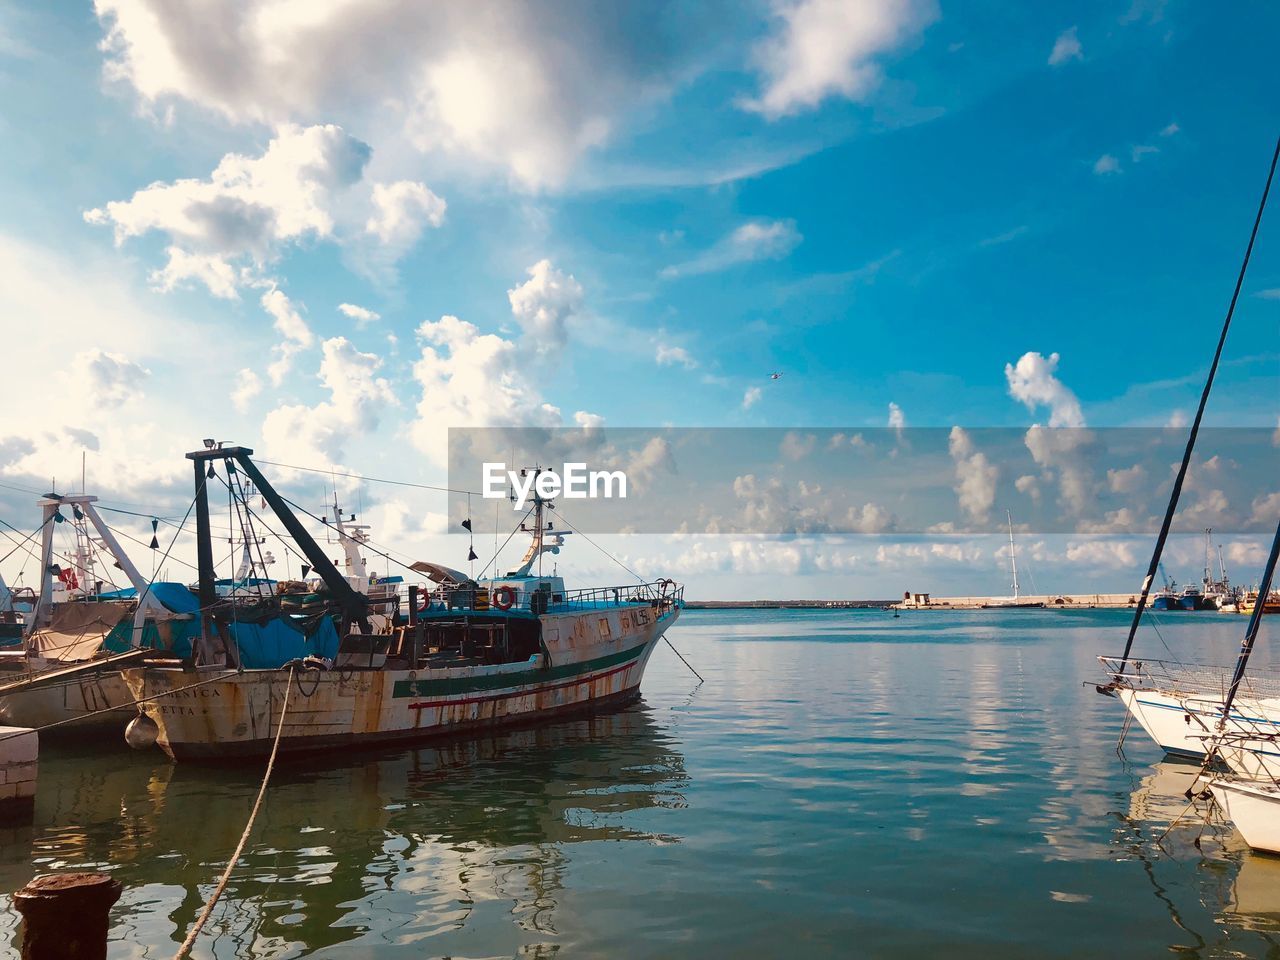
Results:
x,y
565,521
24,541
1195,424
508,540
356,476
189,942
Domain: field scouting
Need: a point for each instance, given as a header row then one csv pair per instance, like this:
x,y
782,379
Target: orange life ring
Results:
x,y
504,597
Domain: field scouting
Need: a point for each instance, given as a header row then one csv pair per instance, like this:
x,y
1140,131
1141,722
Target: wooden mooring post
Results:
x,y
66,916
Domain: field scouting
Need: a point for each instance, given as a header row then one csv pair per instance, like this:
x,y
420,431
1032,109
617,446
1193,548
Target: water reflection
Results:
x,y
391,849
1185,846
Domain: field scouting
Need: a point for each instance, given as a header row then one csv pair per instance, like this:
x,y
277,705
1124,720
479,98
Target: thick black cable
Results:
x,y
1195,424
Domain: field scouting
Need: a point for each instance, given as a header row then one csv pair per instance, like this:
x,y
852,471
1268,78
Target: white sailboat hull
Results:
x,y
1255,810
1183,724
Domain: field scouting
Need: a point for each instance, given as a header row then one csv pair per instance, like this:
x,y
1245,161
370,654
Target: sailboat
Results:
x,y
1017,600
1179,705
1250,797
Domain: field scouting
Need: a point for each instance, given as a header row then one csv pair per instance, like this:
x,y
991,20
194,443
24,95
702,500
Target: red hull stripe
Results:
x,y
520,693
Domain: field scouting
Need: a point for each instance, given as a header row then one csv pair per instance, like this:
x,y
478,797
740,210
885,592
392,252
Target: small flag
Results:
x,y
471,554
466,524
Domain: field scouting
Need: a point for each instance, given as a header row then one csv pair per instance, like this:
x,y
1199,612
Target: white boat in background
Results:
x,y
1017,600
67,669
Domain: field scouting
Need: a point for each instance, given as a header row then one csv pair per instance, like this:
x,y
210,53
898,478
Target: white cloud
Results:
x,y
1106,164
1127,480
1266,509
223,230
1065,48
870,518
361,315
1140,150
401,211
543,305
1176,420
669,354
897,419
1113,554
976,476
1170,130
1028,485
796,446
107,380
751,397
825,48
1246,554
248,387
505,85
288,322
472,379
357,398
752,241
1272,293
290,325
1034,382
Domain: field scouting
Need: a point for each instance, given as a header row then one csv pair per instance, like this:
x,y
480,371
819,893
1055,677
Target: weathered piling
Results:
x,y
19,754
66,916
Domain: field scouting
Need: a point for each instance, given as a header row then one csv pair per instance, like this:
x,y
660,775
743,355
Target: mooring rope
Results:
x,y
188,943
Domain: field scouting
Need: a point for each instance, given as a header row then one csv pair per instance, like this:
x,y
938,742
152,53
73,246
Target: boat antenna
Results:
x,y
1195,424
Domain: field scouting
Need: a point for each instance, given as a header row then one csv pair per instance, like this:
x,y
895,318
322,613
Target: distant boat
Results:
x,y
1169,598
1017,600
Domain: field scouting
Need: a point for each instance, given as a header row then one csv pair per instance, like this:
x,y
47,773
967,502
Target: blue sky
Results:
x,y
640,216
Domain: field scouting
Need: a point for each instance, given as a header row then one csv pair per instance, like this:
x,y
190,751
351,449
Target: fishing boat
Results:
x,y
465,656
1017,600
1249,602
66,669
1168,599
1191,598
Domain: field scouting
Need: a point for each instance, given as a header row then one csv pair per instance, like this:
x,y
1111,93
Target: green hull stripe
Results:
x,y
447,688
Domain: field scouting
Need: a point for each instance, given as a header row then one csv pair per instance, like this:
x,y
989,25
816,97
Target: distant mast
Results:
x,y
1013,555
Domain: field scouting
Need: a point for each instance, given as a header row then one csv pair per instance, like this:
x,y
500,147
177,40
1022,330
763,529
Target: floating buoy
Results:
x,y
141,733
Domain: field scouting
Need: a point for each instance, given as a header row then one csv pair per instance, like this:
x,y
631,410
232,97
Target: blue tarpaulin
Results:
x,y
263,646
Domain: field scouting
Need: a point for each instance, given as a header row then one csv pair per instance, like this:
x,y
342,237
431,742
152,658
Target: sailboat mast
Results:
x,y
1251,632
1163,535
1013,555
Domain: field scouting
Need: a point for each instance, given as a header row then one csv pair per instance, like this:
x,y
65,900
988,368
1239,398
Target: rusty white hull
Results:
x,y
75,703
597,660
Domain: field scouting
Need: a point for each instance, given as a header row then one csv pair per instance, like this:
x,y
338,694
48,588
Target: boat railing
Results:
x,y
1194,680
661,595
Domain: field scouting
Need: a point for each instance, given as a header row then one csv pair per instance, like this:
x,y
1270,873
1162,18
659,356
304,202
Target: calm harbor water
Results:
x,y
844,783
